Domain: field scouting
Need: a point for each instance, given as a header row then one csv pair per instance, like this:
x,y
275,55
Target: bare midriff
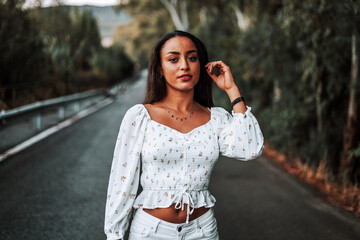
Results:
x,y
173,215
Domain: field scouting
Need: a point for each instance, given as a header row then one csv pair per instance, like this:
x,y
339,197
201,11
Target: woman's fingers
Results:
x,y
217,64
210,73
225,80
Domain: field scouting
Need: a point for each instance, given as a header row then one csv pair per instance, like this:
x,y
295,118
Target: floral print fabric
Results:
x,y
176,167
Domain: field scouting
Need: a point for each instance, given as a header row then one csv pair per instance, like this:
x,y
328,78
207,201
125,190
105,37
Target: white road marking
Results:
x,y
27,143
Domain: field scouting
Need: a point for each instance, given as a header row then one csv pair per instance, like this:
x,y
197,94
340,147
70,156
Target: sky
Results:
x,y
47,3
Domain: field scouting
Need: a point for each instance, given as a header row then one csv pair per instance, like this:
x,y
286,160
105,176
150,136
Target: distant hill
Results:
x,y
108,19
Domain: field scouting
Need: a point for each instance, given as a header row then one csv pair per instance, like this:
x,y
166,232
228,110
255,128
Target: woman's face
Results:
x,y
180,63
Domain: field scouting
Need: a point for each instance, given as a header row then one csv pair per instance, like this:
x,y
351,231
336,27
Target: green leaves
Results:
x,y
48,52
112,65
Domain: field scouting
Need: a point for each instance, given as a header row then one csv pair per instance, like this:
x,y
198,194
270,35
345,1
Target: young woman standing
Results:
x,y
177,135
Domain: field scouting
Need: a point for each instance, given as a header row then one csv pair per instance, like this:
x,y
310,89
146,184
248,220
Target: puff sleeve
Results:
x,y
125,173
240,135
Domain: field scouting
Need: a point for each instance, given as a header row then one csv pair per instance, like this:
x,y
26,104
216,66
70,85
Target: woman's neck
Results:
x,y
179,101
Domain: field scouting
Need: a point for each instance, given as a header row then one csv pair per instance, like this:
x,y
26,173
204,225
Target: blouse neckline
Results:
x,y
194,129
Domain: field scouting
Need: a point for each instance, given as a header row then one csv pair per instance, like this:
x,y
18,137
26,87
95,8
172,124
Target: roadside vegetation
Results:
x,y
51,52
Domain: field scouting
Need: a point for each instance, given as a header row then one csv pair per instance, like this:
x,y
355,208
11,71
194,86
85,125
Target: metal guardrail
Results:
x,y
19,124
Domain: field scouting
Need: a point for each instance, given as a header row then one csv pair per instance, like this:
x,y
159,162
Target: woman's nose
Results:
x,y
184,64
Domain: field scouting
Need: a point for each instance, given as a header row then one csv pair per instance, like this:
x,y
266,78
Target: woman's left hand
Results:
x,y
225,80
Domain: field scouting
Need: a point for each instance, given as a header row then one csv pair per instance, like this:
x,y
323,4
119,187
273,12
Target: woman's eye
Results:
x,y
173,59
193,59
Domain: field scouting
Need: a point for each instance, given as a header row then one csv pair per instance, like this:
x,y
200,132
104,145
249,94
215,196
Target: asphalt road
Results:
x,y
56,189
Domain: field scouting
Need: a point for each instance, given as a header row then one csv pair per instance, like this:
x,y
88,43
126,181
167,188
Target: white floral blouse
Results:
x,y
176,167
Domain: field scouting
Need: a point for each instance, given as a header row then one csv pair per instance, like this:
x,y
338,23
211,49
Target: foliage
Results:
x,y
48,52
356,152
305,53
22,53
112,64
150,22
85,37
69,28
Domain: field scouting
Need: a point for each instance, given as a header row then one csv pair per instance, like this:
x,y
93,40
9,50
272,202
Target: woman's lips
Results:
x,y
185,77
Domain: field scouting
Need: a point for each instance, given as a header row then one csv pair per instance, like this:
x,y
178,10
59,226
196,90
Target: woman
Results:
x,y
177,136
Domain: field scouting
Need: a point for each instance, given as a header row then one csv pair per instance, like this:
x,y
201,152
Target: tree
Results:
x,y
85,37
179,15
22,56
352,131
177,10
150,22
112,65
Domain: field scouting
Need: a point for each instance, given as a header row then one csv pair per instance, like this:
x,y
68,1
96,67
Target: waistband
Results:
x,y
155,222
173,189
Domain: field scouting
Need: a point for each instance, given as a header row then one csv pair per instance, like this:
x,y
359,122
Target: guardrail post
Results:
x,y
61,112
77,106
37,120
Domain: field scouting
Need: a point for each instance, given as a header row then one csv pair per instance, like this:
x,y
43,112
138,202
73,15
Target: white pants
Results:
x,y
146,226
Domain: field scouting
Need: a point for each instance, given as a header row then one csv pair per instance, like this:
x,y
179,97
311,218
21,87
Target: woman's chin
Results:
x,y
183,87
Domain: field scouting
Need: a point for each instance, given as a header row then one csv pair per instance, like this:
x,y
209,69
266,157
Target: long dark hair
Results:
x,y
156,86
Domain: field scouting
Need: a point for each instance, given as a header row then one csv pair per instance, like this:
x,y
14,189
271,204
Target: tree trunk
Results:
x,y
242,22
181,23
318,107
352,119
202,15
184,15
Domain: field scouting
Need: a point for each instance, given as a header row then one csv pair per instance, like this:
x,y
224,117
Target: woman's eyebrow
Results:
x,y
177,53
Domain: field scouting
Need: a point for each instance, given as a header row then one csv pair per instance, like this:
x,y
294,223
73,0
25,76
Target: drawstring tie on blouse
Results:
x,y
183,197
